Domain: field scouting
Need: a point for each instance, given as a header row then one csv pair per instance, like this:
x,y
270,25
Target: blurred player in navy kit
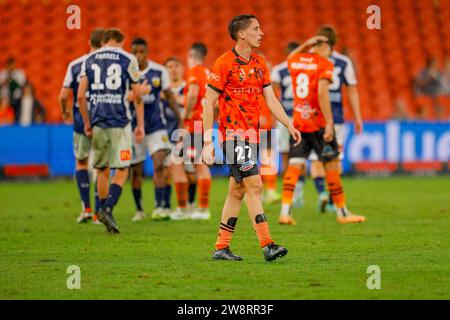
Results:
x,y
81,143
108,74
156,141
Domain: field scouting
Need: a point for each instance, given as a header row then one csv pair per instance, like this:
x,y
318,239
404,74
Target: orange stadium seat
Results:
x,y
386,60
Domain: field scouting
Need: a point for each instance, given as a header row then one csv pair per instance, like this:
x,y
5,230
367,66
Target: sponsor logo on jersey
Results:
x,y
214,76
125,155
247,166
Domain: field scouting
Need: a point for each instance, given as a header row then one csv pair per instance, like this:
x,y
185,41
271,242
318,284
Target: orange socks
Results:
x,y
269,180
262,230
225,233
289,181
181,189
204,186
335,188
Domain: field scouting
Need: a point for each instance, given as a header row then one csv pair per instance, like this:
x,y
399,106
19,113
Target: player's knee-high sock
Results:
x,y
289,181
137,196
319,183
159,197
181,189
97,199
262,230
82,177
336,190
204,187
167,195
269,180
192,191
226,230
115,191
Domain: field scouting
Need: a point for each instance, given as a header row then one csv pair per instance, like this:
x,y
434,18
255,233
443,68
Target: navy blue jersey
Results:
x,y
158,79
280,74
172,123
343,73
72,81
110,72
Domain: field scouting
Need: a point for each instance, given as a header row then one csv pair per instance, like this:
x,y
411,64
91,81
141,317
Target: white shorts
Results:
x,y
81,146
156,141
284,138
339,132
111,147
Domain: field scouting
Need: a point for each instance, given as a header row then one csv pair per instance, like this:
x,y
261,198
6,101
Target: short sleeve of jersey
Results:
x,y
133,70
218,76
68,79
349,74
325,69
275,75
266,74
165,80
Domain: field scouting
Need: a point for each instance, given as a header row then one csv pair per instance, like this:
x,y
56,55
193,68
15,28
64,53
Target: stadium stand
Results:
x,y
386,60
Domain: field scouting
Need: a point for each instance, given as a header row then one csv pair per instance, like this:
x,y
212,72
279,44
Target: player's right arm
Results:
x,y
138,90
211,98
139,132
82,104
305,46
325,106
64,96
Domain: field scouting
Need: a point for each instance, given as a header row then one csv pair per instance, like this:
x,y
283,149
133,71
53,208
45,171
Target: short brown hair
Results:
x,y
328,32
239,23
173,58
96,37
113,34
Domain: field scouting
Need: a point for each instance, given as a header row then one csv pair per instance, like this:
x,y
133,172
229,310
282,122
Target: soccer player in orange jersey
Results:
x,y
311,75
239,82
196,80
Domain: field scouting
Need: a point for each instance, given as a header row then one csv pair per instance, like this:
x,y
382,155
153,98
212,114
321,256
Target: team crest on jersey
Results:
x,y
125,155
165,139
156,82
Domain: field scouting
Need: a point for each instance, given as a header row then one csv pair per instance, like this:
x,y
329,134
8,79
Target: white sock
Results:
x,y
285,209
298,190
342,212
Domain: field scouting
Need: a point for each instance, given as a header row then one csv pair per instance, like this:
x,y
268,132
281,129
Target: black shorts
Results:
x,y
242,158
326,151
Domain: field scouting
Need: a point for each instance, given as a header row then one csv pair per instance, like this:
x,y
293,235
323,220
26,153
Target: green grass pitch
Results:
x,y
406,234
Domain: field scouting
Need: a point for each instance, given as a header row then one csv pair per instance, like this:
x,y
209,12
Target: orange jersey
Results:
x,y
197,75
240,84
306,70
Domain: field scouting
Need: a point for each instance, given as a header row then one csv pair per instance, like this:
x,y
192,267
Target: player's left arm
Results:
x,y
82,104
325,105
277,110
